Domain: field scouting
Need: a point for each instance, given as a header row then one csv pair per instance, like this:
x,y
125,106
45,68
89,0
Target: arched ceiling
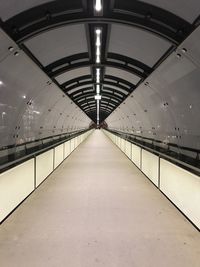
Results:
x,y
60,36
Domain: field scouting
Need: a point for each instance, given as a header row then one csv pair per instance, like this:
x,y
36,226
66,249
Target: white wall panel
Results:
x,y
118,142
128,149
59,155
72,144
122,144
67,149
136,155
75,142
182,188
78,140
44,166
15,185
150,166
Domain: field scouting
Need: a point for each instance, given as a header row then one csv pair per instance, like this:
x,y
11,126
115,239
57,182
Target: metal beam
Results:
x,y
88,59
130,12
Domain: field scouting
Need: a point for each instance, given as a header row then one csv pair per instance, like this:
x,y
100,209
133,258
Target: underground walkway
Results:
x,y
97,209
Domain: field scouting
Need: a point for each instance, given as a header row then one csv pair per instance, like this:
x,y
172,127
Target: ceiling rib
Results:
x,y
134,13
81,90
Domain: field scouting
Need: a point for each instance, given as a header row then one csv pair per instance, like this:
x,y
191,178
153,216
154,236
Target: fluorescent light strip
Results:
x,y
97,97
98,41
98,45
98,89
98,51
98,59
98,5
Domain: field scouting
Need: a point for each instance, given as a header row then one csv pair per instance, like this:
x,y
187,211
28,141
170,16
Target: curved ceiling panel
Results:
x,y
11,8
81,89
69,75
127,76
188,10
137,44
58,43
165,108
31,106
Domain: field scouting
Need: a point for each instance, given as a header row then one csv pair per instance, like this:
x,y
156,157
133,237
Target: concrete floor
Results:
x,y
97,209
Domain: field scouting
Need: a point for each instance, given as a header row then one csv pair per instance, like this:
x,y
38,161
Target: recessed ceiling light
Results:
x,y
98,5
98,59
98,42
98,51
98,31
97,97
98,89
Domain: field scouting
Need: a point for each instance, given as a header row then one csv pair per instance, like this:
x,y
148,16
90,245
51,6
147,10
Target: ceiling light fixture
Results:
x,y
98,5
97,97
98,75
98,59
98,41
98,45
98,51
98,89
98,31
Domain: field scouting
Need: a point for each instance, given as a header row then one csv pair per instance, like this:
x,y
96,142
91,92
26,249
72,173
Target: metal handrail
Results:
x,y
21,159
158,153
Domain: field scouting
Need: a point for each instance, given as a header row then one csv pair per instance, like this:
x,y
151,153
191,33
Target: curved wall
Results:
x,y
166,106
31,106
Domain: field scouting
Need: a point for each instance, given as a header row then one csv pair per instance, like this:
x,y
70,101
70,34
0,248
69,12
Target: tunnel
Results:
x,y
99,133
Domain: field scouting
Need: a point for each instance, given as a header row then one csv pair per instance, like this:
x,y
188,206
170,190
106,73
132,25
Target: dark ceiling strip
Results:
x,y
66,67
83,59
94,109
111,92
113,81
119,81
85,100
88,85
67,61
82,92
77,81
105,106
92,94
130,12
130,61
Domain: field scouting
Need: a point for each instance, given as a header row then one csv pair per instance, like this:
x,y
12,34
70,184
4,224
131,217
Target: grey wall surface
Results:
x,y
31,106
166,106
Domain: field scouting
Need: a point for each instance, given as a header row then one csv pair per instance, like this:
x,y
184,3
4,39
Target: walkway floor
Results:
x,y
97,209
